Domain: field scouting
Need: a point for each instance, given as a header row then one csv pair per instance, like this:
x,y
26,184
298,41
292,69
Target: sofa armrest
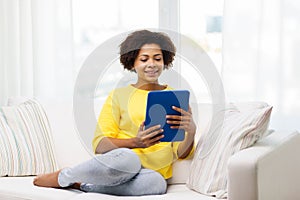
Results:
x,y
268,170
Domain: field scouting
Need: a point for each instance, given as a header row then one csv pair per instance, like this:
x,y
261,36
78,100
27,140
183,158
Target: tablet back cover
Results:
x,y
159,104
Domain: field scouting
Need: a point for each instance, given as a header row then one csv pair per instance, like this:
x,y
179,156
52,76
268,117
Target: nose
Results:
x,y
150,63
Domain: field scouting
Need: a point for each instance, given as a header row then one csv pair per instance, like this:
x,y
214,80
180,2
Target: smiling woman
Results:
x,y
129,156
147,54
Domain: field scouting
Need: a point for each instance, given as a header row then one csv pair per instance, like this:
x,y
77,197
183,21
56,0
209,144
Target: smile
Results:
x,y
151,72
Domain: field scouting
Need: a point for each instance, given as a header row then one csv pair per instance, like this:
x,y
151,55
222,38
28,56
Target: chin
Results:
x,y
152,80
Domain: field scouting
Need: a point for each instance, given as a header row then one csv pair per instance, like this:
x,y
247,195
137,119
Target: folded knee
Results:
x,y
120,160
152,183
158,184
127,161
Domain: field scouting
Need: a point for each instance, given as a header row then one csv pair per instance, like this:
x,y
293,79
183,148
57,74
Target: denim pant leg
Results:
x,y
109,169
147,182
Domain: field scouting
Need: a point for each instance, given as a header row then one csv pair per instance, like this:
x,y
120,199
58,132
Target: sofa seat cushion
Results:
x,y
22,188
175,192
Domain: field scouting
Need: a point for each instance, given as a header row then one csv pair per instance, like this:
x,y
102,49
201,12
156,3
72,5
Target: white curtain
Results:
x,y
261,48
36,53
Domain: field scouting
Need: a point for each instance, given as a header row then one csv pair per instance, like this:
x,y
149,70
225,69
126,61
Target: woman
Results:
x,y
131,160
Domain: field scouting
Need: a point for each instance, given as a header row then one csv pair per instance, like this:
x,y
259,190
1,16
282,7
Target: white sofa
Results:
x,y
270,170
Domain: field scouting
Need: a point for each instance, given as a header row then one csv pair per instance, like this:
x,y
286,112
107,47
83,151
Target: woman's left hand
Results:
x,y
184,121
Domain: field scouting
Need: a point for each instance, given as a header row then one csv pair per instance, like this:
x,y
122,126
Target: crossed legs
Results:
x,y
117,172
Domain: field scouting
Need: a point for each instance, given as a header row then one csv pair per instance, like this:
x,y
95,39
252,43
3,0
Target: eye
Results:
x,y
157,59
144,60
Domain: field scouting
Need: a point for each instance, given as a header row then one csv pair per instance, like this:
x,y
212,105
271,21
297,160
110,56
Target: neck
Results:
x,y
149,86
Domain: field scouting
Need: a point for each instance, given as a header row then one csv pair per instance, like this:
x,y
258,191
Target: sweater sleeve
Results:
x,y
108,121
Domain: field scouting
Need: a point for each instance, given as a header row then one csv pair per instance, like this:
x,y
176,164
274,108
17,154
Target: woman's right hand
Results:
x,y
148,137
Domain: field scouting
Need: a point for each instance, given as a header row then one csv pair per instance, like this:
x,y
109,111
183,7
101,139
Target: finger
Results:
x,y
180,110
141,128
190,110
153,128
154,134
178,127
179,123
179,117
156,139
174,122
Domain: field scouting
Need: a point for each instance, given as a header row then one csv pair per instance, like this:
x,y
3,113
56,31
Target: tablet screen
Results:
x,y
159,104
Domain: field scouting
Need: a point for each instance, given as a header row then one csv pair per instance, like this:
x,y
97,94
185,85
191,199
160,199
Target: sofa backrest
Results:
x,y
69,149
68,145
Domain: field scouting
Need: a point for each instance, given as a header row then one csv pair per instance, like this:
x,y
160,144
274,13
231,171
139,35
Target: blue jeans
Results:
x,y
117,172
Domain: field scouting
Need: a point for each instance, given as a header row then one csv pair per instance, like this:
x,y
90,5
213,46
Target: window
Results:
x,y
201,21
95,21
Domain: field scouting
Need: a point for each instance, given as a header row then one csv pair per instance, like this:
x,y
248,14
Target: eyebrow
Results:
x,y
158,54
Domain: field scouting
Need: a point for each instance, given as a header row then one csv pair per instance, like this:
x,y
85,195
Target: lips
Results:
x,y
151,73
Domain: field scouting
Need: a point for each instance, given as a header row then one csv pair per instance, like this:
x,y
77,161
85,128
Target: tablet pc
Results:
x,y
159,104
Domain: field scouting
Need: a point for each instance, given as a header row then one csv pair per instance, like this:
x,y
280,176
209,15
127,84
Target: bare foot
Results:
x,y
76,186
47,180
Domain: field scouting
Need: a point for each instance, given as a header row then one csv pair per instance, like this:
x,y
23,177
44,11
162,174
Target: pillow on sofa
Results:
x,y
26,146
239,131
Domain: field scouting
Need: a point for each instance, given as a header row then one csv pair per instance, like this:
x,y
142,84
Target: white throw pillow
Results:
x,y
241,129
26,146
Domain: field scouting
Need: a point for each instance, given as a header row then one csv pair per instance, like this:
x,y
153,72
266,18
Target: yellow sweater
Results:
x,y
121,116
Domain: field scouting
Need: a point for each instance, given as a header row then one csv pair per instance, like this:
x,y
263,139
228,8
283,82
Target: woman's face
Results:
x,y
149,64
